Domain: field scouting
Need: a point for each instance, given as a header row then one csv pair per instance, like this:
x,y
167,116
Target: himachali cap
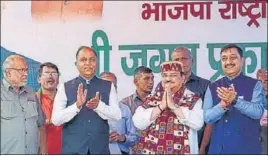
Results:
x,y
262,74
171,66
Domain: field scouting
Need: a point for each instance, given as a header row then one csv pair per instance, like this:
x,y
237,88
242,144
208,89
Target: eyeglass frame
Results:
x,y
20,70
182,59
52,74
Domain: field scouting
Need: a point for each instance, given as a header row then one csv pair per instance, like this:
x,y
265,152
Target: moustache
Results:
x,y
229,65
51,80
168,82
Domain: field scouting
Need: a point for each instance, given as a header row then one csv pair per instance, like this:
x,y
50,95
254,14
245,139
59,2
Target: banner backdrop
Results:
x,y
127,34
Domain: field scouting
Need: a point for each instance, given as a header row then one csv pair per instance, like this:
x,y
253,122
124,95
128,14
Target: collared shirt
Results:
x,y
62,114
114,147
133,101
21,116
252,109
193,119
126,127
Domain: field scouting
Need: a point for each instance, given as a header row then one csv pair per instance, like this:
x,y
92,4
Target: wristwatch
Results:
x,y
174,107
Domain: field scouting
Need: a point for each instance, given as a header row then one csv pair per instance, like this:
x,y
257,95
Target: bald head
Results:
x,y
109,76
182,50
15,70
85,48
184,56
12,60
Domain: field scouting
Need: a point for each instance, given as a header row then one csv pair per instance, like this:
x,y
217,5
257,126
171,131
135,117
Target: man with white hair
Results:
x,y
21,116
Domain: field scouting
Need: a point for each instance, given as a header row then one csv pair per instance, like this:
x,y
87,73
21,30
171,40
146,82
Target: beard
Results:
x,y
18,84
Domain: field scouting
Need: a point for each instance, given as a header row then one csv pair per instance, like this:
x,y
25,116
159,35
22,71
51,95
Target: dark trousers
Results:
x,y
124,153
264,140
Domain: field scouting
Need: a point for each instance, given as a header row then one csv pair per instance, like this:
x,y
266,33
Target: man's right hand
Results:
x,y
81,96
163,104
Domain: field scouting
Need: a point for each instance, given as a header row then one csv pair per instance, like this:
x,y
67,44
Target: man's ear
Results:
x,y
38,80
135,81
7,73
183,78
243,60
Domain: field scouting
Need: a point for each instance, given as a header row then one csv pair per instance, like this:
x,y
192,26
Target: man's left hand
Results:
x,y
170,102
94,102
115,137
227,94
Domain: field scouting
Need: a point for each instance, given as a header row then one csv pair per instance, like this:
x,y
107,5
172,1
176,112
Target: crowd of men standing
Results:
x,y
185,114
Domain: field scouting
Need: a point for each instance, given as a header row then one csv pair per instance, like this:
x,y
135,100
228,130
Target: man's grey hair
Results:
x,y
140,70
8,62
181,49
109,73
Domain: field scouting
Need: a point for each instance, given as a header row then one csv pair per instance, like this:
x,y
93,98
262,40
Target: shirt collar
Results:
x,y
231,79
192,77
84,80
136,96
8,87
6,84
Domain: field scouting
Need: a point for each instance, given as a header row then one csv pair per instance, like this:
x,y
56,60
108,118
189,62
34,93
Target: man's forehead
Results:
x,y
230,51
46,68
86,52
18,62
181,52
146,74
170,72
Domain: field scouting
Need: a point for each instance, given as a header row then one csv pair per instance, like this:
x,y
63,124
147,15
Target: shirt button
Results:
x,y
88,121
226,121
25,146
25,119
25,132
88,133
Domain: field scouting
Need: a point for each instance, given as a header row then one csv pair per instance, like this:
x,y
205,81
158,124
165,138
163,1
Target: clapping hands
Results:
x,y
227,95
81,98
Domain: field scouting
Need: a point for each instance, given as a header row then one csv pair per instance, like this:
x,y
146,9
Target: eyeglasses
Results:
x,y
21,70
182,59
52,74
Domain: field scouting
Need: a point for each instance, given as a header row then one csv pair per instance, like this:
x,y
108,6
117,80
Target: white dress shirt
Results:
x,y
192,118
62,114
